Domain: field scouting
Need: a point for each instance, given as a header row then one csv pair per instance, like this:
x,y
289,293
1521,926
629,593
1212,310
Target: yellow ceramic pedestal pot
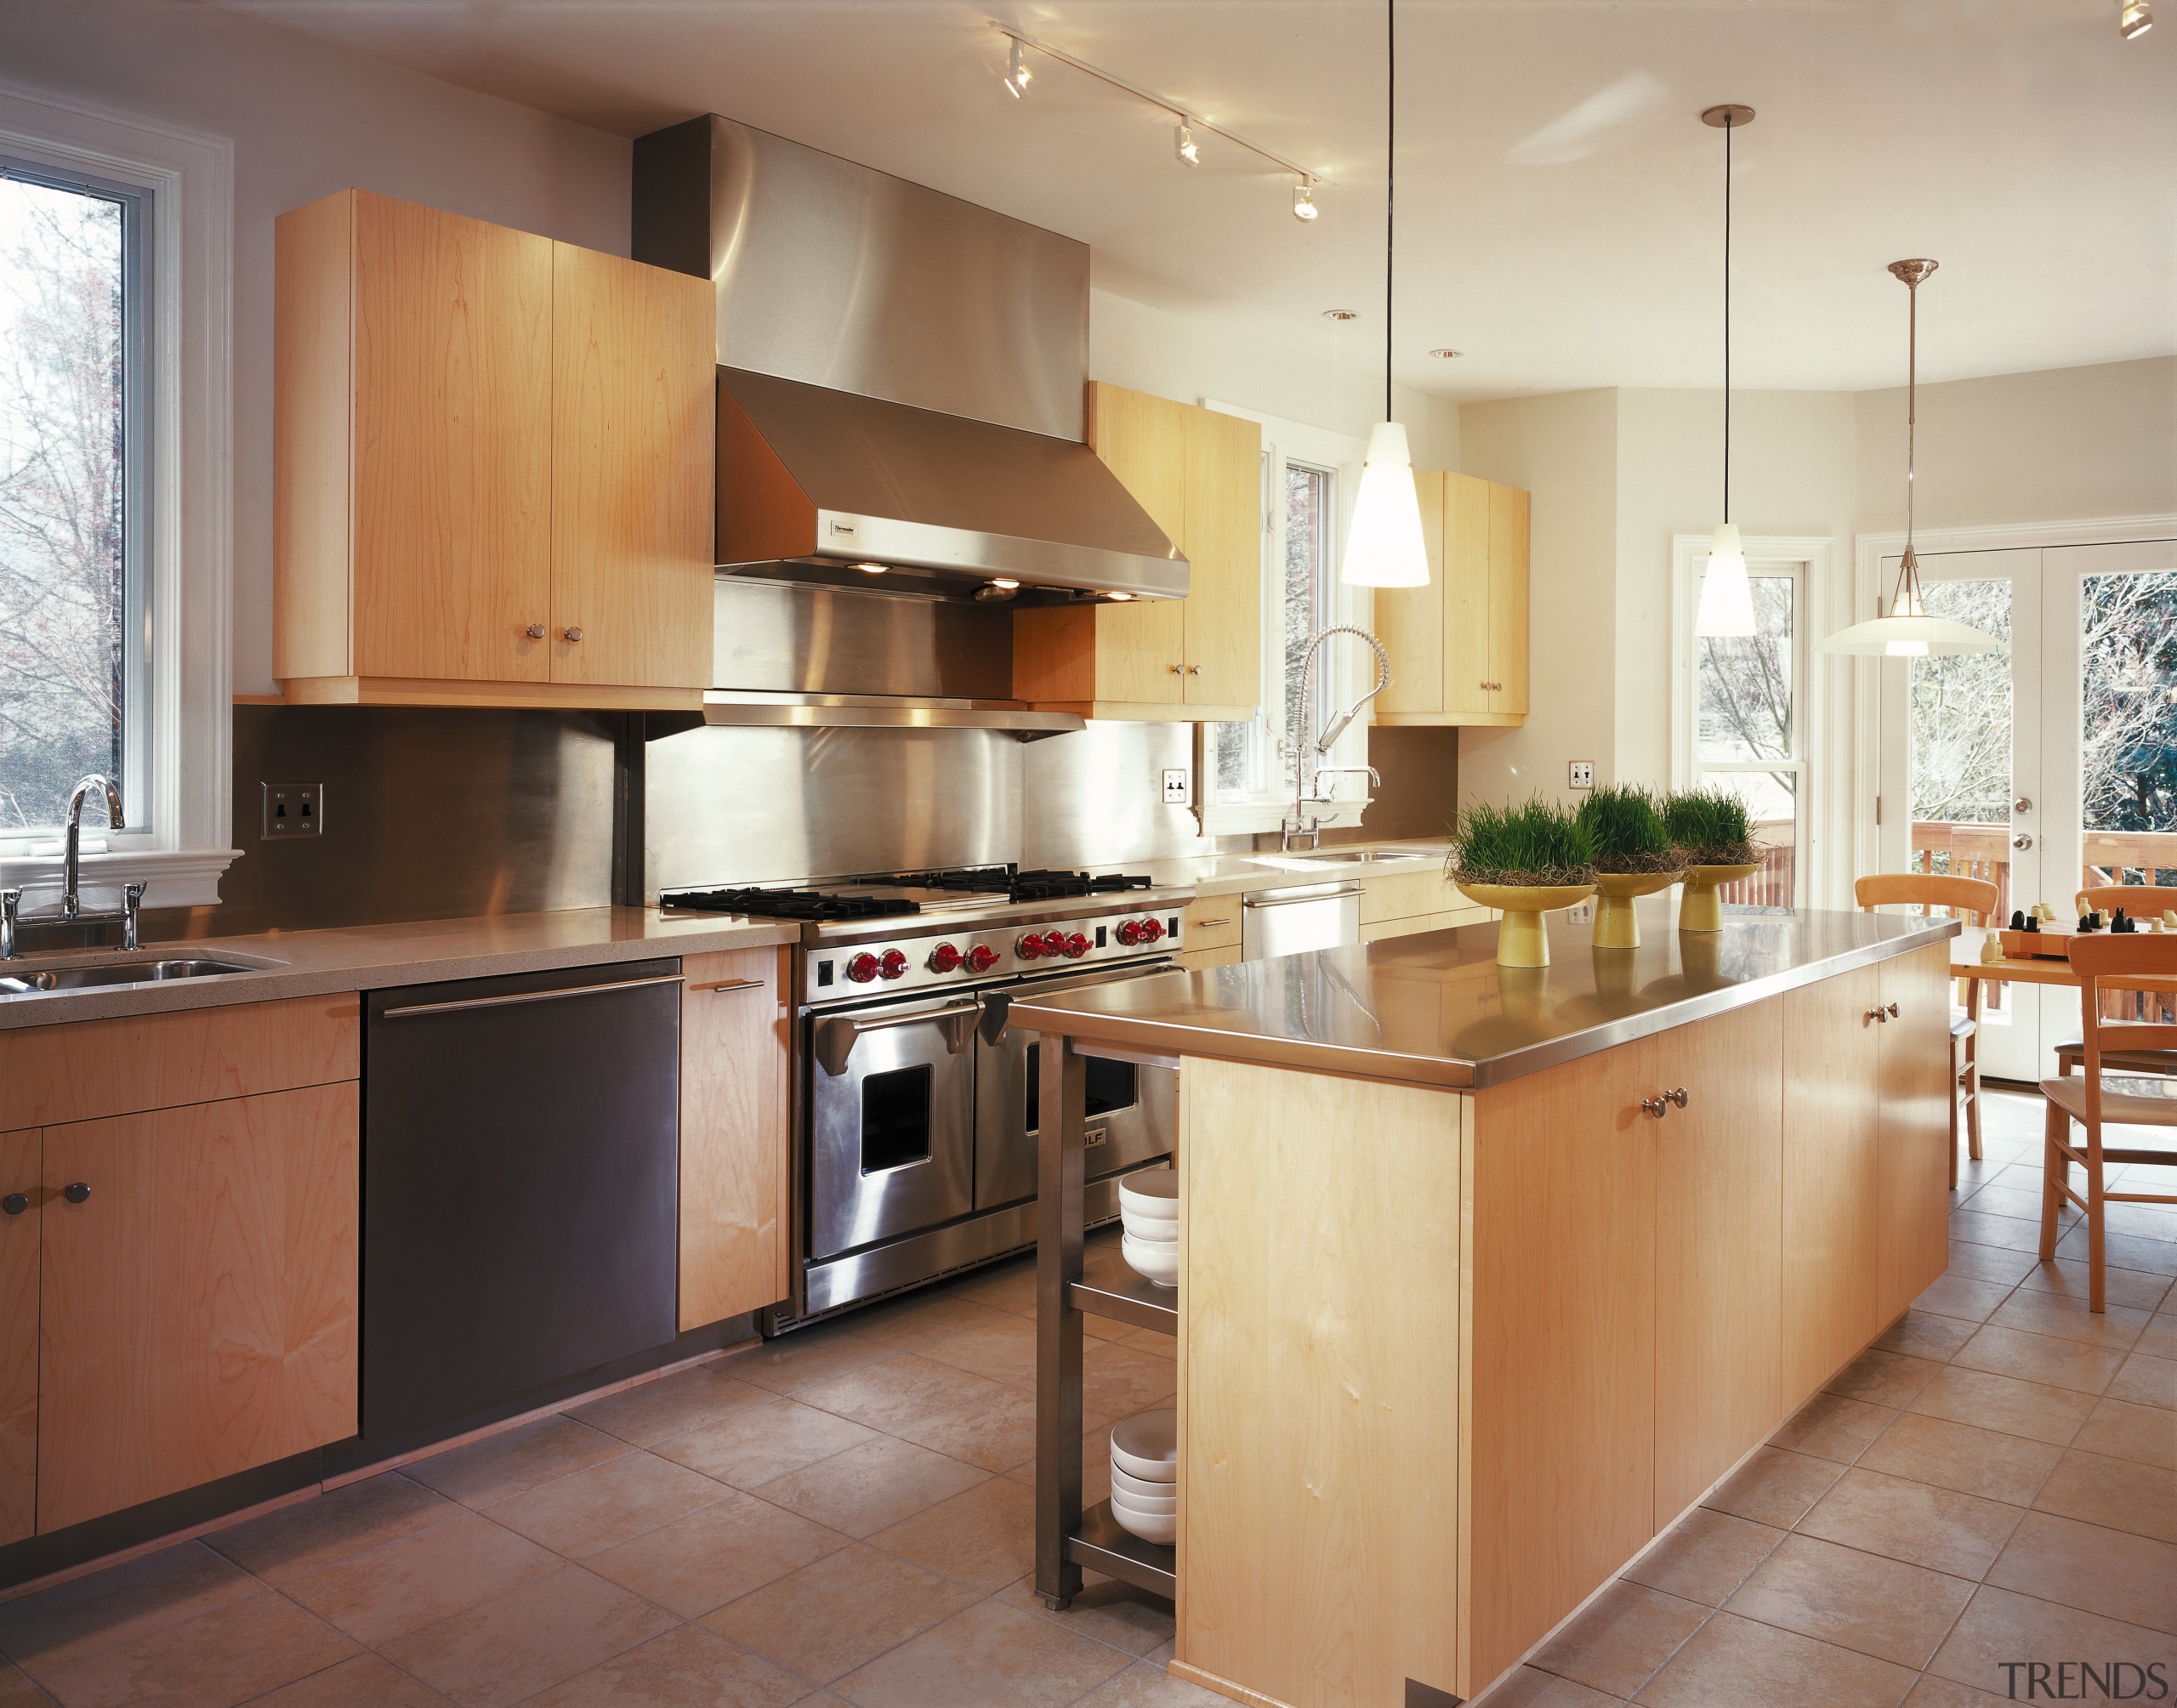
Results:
x,y
1520,939
1701,908
1617,926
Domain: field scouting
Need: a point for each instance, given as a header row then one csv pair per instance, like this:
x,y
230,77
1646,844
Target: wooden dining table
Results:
x,y
1965,963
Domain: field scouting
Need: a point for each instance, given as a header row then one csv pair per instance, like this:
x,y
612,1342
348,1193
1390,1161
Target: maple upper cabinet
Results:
x,y
493,474
1458,646
1198,474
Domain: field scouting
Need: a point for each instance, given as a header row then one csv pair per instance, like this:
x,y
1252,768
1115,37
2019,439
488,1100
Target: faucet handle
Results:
x,y
132,908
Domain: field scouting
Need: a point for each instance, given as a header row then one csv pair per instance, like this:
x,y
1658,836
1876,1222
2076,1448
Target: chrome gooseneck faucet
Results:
x,y
1307,792
71,909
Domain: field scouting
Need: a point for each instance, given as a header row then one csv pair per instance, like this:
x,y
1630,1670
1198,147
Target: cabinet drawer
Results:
x,y
92,1069
1211,922
1224,954
1423,922
1402,895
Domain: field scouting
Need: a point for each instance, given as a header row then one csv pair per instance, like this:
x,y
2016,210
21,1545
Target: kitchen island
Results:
x,y
1487,1274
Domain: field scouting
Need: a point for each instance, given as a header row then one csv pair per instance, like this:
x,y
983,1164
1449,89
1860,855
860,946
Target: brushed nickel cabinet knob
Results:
x,y
1173,668
1194,670
535,631
574,634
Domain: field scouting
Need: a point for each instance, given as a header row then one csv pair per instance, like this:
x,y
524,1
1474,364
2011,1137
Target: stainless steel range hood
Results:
x,y
902,380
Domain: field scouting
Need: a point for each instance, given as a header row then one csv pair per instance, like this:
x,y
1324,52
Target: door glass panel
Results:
x,y
895,1118
2128,731
1112,1086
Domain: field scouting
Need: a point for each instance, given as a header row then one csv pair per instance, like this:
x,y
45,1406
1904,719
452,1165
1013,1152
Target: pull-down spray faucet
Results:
x,y
1305,792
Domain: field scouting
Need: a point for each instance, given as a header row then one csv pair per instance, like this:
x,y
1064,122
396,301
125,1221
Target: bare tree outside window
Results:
x,y
1961,714
1304,595
2128,734
63,493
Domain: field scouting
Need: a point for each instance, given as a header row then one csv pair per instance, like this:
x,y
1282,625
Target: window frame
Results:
x,y
180,759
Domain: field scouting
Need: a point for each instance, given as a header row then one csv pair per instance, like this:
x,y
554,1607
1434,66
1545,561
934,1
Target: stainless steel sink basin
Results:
x,y
118,973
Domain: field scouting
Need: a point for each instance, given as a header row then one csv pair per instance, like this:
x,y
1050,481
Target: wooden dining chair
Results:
x,y
2104,962
2140,900
1980,899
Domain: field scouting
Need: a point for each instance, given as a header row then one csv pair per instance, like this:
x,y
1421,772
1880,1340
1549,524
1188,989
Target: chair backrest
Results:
x,y
2140,900
1972,895
2107,960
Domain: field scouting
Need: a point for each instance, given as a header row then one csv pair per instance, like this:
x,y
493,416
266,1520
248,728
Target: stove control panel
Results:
x,y
965,953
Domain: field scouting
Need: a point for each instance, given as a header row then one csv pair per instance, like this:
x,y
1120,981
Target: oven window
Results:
x,y
1112,1086
895,1118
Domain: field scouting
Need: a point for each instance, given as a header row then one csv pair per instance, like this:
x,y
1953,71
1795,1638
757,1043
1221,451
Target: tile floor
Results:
x,y
843,1516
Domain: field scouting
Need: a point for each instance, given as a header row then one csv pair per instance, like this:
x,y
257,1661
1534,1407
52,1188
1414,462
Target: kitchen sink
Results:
x,y
118,973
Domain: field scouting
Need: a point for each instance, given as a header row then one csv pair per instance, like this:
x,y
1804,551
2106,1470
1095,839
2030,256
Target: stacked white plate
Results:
x,y
1149,1208
1145,1474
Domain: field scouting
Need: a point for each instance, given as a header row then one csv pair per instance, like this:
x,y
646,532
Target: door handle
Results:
x,y
836,1035
2022,840
527,996
2021,805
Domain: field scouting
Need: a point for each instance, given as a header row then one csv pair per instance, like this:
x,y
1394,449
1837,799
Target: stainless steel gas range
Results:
x,y
916,1108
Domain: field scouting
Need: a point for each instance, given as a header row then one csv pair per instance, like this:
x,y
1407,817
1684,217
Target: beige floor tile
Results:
x,y
1625,1635
1119,1381
2006,1233
897,1392
1923,1333
2041,1357
1885,1607
280,1546
364,1681
1831,1427
234,1652
1104,1608
1704,1557
529,1639
2115,1492
2144,1434
2002,1625
671,1405
1144,1685
1961,1297
1003,1351
841,1613
1883,1378
500,1466
1009,1286
1937,1527
1995,1466
2031,1409
862,1490
1731,1663
918,1322
2022,1202
2110,1572
2146,1380
2067,1317
706,1559
990,1653
985,1535
2159,1337
119,1604
603,1506
681,1669
2125,1251
415,1580
2067,1277
995,1430
763,1444
1989,1263
1775,1487
1530,1688
796,1361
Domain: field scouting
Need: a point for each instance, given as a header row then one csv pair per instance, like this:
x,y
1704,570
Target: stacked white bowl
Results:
x,y
1149,1208
1145,1474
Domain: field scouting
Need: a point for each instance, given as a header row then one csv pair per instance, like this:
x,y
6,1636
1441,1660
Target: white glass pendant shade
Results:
x,y
1911,637
1383,548
1726,595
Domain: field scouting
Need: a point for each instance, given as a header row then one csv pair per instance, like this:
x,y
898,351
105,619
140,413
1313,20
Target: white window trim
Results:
x,y
1322,448
1812,555
188,178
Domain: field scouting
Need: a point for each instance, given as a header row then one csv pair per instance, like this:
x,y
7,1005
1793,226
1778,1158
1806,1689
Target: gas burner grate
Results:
x,y
968,880
1050,885
786,904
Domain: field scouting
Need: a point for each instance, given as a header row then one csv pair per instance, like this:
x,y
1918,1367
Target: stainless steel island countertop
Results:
x,y
1436,1009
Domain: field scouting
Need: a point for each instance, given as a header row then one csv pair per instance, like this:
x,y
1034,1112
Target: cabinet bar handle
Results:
x,y
735,984
527,996
1203,924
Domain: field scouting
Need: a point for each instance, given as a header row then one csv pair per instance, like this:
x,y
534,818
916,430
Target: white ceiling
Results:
x,y
1560,202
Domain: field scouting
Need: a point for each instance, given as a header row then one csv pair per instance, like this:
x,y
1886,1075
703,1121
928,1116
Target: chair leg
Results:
x,y
1972,1100
2097,1280
2054,1173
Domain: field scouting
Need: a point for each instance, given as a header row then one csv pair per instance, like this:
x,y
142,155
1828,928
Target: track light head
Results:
x,y
1017,73
1183,144
2134,19
1303,201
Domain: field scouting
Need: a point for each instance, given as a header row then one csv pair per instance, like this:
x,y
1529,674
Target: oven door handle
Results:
x,y
836,1034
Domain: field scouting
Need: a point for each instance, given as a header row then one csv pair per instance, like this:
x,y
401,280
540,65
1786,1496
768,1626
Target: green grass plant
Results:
x,y
1709,826
1538,843
1627,824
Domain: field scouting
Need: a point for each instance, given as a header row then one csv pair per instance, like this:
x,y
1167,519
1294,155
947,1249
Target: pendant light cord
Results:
x,y
1911,400
1390,189
1727,318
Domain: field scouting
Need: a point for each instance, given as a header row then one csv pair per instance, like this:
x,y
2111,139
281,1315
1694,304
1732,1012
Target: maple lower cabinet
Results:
x,y
1458,646
735,1029
1198,474
1913,1057
21,1216
492,470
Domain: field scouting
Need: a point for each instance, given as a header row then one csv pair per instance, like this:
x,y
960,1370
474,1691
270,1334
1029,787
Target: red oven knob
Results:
x,y
982,958
894,964
862,969
1030,947
944,958
1053,943
1152,930
1076,946
1129,931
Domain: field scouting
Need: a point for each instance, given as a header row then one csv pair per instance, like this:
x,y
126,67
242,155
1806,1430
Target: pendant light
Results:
x,y
1726,595
1909,632
1384,548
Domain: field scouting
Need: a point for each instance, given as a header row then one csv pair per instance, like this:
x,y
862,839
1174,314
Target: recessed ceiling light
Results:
x,y
1341,314
1447,356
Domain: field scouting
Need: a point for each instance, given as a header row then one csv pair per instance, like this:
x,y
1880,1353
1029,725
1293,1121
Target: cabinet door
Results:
x,y
1467,640
197,1309
1719,1189
633,373
1410,621
1509,521
1913,1049
734,1137
1140,648
1832,1261
18,1241
452,449
1223,549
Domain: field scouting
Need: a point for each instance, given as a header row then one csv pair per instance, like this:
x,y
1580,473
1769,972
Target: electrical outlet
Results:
x,y
1581,915
1176,787
294,809
1580,775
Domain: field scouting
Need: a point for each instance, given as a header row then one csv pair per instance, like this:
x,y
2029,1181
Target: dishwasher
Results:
x,y
521,1179
1305,917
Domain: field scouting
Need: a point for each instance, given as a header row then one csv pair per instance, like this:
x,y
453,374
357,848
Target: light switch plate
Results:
x,y
1176,787
1580,775
294,809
